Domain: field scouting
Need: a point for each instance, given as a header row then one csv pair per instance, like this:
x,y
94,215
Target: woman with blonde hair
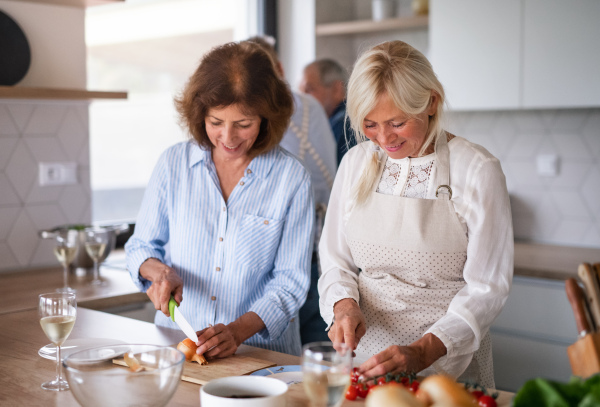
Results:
x,y
417,248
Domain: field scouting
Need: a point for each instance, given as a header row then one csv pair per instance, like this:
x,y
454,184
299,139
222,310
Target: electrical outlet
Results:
x,y
58,173
547,165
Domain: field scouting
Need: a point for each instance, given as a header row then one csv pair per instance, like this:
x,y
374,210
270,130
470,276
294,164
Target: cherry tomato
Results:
x,y
362,391
414,386
381,381
351,393
487,401
405,381
477,394
370,387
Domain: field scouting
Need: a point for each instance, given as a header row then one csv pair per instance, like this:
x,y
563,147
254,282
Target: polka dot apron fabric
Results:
x,y
411,254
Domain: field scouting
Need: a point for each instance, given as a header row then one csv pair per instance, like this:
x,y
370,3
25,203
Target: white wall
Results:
x,y
56,39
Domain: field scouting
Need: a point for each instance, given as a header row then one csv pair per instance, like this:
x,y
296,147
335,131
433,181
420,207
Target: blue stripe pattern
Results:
x,y
252,253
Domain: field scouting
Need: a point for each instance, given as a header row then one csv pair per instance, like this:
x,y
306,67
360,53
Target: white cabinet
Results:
x,y
475,51
517,53
531,335
561,65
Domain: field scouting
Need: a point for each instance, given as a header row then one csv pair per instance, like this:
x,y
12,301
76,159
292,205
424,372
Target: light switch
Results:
x,y
58,173
547,165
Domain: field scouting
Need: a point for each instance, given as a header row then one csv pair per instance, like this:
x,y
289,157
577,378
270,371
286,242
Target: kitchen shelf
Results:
x,y
21,92
370,26
75,3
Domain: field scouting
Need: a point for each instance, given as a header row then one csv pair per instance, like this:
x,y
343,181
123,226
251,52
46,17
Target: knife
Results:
x,y
592,288
576,297
180,320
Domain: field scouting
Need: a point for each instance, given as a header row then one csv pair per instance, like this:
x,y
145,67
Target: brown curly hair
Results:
x,y
240,74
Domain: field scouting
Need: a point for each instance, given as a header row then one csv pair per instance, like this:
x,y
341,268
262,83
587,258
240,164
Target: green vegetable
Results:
x,y
547,393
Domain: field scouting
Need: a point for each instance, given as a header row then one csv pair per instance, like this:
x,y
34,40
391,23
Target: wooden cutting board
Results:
x,y
234,365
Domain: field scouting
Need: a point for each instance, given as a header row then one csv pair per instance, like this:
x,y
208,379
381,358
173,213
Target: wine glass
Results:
x,y
65,250
326,372
57,313
96,240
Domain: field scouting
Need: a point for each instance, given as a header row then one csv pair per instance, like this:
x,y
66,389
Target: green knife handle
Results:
x,y
172,305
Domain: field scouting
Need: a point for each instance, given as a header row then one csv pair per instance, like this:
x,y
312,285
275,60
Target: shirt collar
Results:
x,y
260,166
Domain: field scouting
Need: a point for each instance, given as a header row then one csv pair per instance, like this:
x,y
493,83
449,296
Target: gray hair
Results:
x,y
330,71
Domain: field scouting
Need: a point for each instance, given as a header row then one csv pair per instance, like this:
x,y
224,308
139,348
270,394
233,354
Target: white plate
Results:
x,y
289,374
75,345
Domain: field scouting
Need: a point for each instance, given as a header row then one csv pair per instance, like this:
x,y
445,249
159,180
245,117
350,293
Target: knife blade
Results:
x,y
576,297
592,289
180,320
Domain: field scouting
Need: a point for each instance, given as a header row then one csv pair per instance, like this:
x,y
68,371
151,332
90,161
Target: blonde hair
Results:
x,y
404,73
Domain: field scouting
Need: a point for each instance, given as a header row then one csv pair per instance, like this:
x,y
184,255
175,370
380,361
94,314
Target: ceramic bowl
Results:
x,y
96,381
243,391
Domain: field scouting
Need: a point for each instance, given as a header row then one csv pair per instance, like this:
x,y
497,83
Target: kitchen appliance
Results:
x,y
83,265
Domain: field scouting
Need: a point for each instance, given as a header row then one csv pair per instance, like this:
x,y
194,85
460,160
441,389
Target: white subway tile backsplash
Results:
x,y
21,170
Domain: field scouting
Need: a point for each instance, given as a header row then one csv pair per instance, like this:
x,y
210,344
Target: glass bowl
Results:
x,y
96,381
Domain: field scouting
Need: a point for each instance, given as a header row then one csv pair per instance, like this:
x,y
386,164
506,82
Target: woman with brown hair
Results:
x,y
235,210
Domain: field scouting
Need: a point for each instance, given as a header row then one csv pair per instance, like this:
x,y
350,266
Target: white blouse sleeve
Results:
x,y
483,204
339,278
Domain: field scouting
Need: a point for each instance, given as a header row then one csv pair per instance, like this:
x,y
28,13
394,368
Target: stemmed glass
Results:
x,y
326,372
57,313
65,251
96,240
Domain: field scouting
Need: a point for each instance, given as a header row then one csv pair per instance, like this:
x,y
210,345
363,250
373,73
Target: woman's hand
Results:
x,y
165,282
411,359
221,340
349,326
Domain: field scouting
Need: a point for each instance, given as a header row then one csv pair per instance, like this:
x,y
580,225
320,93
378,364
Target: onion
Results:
x,y
188,347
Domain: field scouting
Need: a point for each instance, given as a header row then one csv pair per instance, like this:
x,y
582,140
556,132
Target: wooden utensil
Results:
x,y
234,365
592,289
576,297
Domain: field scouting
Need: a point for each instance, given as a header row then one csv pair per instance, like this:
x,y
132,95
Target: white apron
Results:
x,y
411,253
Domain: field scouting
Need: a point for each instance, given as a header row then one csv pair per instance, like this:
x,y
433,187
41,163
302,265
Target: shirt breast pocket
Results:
x,y
258,240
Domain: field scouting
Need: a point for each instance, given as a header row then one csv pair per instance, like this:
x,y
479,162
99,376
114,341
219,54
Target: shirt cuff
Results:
x,y
135,261
274,317
338,293
452,363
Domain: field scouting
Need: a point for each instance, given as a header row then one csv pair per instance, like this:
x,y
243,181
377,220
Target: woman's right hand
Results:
x,y
349,326
165,282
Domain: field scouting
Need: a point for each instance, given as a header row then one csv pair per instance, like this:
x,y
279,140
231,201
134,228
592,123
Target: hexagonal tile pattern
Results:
x,y
7,145
571,174
571,146
591,132
570,120
9,195
46,149
44,254
22,170
45,120
46,216
8,216
7,259
569,203
526,144
7,125
21,113
72,134
528,122
23,239
590,191
569,232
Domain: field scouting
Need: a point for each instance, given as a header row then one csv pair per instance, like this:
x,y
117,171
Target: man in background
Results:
x,y
325,80
309,137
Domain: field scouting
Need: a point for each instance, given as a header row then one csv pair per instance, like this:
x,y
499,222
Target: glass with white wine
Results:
x,y
65,250
57,313
96,240
326,372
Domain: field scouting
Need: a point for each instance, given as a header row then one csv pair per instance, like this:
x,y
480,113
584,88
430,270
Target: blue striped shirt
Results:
x,y
251,253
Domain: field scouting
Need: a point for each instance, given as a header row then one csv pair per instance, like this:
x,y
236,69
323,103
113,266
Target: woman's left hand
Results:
x,y
411,358
221,340
217,341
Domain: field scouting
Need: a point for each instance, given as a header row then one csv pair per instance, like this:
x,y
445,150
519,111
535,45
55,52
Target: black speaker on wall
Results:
x,y
15,55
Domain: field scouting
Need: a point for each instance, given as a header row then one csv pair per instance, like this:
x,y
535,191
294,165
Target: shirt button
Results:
x,y
220,239
224,209
292,320
218,268
242,183
213,298
266,222
249,172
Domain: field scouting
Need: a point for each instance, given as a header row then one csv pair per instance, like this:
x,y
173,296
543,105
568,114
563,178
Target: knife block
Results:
x,y
584,355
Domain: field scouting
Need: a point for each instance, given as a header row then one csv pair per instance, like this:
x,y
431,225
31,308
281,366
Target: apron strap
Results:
x,y
443,190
